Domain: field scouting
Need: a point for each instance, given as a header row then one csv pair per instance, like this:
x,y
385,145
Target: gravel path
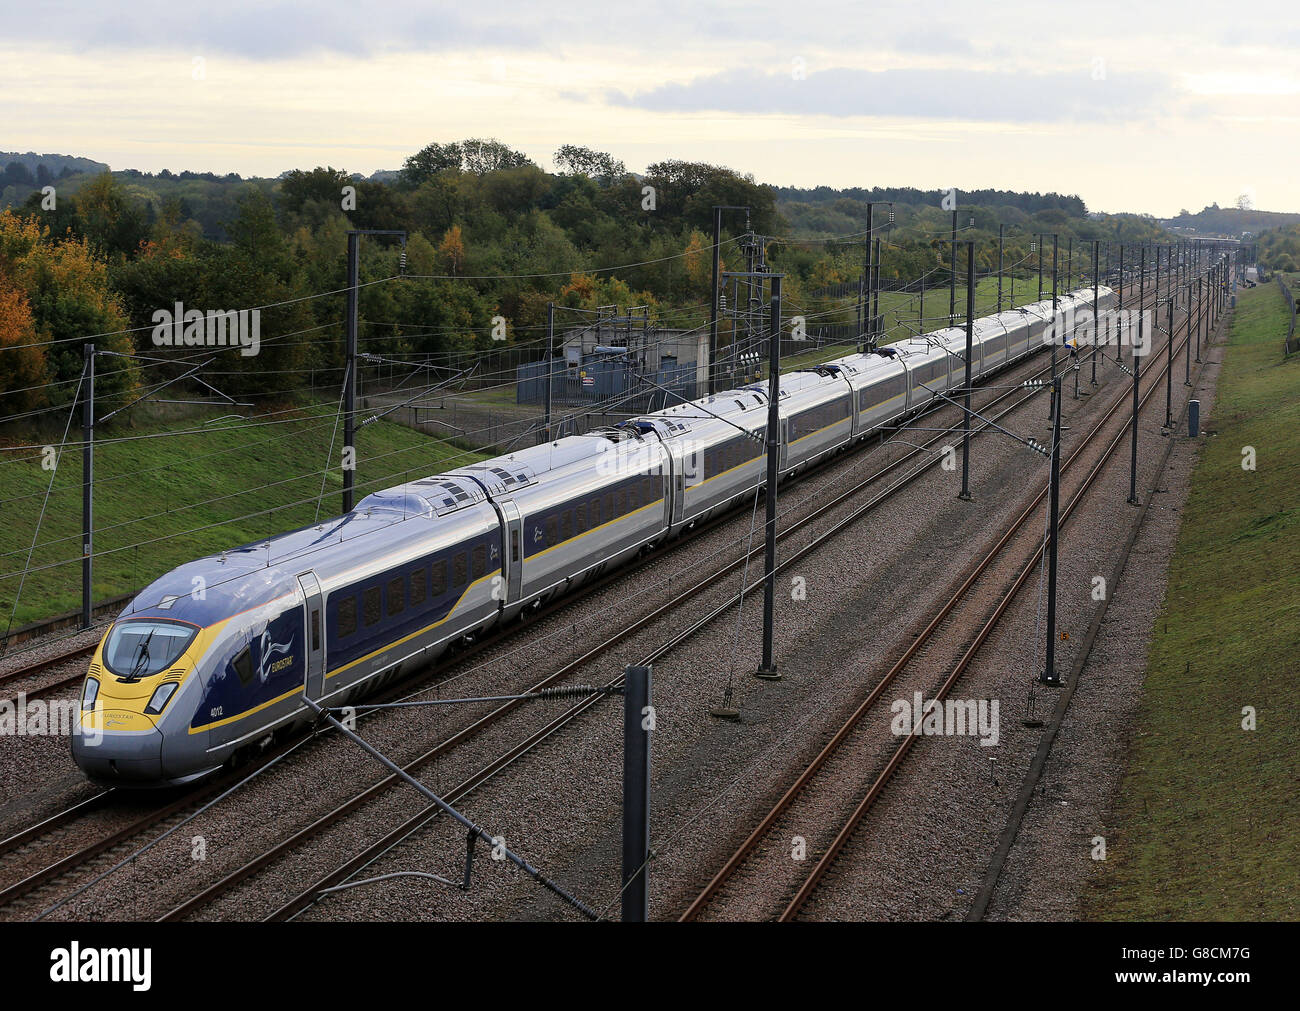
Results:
x,y
1051,862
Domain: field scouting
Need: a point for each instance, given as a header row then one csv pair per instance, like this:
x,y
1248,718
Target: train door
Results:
x,y
681,459
314,676
514,550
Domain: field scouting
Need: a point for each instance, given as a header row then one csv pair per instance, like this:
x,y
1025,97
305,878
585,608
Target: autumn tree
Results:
x,y
22,367
699,261
66,284
451,250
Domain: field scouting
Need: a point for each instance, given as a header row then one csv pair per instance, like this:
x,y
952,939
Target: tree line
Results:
x,y
491,237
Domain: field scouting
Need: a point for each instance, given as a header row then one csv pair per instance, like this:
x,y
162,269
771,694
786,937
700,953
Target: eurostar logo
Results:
x,y
269,649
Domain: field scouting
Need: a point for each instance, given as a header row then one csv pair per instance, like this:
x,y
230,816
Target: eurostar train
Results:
x,y
216,657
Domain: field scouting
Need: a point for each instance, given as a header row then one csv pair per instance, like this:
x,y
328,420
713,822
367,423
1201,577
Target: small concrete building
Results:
x,y
650,349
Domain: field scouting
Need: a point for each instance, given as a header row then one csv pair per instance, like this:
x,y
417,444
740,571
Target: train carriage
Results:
x,y
817,409
717,451
571,508
879,387
929,370
990,337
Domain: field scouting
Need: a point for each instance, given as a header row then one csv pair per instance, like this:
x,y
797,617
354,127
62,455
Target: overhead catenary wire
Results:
x,y
231,429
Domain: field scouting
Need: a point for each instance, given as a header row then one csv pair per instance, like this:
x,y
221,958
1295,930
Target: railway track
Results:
x,y
118,839
551,728
43,878
829,779
37,667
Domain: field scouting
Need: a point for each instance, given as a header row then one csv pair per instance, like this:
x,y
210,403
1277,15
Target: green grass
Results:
x,y
499,396
1208,827
163,501
815,357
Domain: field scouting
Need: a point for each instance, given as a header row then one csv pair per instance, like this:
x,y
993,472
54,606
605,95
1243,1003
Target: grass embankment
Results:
x,y
1208,826
163,501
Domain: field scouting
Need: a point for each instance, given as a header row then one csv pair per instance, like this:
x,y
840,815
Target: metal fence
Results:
x,y
1291,344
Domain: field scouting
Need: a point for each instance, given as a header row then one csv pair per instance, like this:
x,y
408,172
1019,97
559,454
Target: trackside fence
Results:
x,y
1291,344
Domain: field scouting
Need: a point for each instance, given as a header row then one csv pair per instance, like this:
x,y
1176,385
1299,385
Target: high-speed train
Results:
x,y
217,655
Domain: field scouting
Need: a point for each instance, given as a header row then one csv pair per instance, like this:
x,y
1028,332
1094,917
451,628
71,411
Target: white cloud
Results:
x,y
950,94
999,94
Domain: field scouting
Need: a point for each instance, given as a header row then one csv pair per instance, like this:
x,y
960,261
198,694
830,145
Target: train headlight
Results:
x,y
160,696
89,693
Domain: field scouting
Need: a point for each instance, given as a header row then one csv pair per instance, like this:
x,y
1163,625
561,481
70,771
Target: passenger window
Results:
x,y
439,583
620,502
566,524
396,596
595,513
346,617
552,531
480,560
580,518
243,666
315,628
607,506
514,545
419,584
460,569
633,499
370,606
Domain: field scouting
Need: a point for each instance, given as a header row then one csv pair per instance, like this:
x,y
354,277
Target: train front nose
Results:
x,y
118,746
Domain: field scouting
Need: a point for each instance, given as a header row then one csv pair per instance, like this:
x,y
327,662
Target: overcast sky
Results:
x,y
1148,106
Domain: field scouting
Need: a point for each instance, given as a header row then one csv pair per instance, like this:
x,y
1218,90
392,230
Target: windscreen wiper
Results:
x,y
141,659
